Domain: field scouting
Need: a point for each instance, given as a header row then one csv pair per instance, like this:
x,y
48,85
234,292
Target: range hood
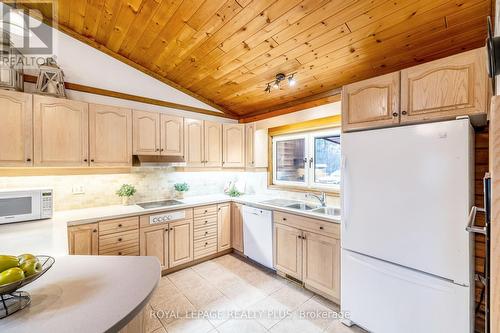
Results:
x,y
158,160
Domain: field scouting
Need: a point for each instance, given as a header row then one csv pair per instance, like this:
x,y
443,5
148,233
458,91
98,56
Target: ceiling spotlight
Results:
x,y
280,77
276,84
291,80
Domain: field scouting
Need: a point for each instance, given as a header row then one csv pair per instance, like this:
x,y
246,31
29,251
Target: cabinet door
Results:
x,y
237,226
180,242
249,145
371,103
60,132
224,227
16,129
321,263
172,135
288,250
193,142
146,133
110,135
445,88
233,140
83,239
213,144
154,242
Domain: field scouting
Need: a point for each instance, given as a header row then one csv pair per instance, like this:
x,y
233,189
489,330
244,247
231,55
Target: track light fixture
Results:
x,y
280,77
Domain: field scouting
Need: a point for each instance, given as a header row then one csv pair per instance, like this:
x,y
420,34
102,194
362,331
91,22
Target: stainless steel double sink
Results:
x,y
304,206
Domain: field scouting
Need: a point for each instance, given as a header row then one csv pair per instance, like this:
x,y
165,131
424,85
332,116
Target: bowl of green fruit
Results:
x,y
16,272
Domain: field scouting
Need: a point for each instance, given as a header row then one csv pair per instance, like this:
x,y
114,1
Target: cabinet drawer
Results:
x,y
305,223
205,211
117,225
207,232
118,240
205,243
129,251
205,222
200,253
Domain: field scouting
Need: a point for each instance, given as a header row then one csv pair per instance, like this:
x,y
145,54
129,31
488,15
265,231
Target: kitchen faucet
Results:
x,y
321,198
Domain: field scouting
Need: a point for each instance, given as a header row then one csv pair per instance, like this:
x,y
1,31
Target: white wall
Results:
x,y
317,112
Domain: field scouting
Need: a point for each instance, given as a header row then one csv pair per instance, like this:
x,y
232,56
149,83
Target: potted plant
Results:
x,y
126,191
180,188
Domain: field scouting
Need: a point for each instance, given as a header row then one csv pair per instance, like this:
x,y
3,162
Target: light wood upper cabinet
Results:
x,y
83,239
321,263
237,226
224,227
445,88
371,103
154,242
233,140
146,133
172,135
193,142
180,242
60,132
16,129
213,144
256,146
288,250
110,135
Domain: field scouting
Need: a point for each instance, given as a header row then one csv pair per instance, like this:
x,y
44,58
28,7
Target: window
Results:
x,y
310,160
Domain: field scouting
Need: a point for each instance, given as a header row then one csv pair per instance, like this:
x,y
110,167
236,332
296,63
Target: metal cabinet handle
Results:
x,y
28,160
92,160
85,160
171,229
206,243
299,237
166,230
321,228
162,149
206,232
394,114
119,239
119,253
284,219
157,149
119,225
206,222
403,113
95,230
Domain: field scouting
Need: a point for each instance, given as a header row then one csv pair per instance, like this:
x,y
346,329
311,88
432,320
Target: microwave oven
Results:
x,y
25,205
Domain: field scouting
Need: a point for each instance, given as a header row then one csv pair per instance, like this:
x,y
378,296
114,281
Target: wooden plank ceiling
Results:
x,y
226,51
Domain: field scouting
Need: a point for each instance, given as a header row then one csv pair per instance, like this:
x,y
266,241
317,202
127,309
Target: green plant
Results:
x,y
126,190
181,187
233,192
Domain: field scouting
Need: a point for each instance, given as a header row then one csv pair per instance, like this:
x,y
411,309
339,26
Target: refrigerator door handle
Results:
x,y
471,226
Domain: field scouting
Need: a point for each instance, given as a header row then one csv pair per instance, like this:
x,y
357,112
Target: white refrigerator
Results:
x,y
406,256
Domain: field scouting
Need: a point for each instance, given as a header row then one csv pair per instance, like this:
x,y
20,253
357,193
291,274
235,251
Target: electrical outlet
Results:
x,y
78,189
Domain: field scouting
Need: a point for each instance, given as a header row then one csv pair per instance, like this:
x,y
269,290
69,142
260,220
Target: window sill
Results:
x,y
330,192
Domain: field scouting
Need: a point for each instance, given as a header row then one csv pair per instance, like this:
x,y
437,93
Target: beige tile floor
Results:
x,y
228,294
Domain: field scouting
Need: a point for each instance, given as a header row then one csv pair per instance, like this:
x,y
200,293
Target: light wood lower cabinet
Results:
x,y
180,239
321,263
237,226
308,250
224,227
16,129
154,242
60,132
83,239
288,250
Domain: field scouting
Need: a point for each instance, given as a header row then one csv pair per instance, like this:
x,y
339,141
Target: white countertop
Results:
x,y
81,294
50,236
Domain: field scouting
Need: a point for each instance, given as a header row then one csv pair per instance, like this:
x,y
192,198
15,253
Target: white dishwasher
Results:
x,y
258,235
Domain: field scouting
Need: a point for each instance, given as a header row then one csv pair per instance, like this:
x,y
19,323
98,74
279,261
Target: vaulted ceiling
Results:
x,y
225,51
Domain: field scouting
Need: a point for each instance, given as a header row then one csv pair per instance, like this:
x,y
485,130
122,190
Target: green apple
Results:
x,y
24,257
7,262
31,267
10,275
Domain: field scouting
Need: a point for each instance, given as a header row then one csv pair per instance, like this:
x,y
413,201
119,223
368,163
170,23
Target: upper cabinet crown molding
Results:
x,y
438,90
16,129
110,135
60,132
445,88
233,140
371,103
146,132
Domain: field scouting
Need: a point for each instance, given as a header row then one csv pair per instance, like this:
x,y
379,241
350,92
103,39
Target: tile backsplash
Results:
x,y
151,184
